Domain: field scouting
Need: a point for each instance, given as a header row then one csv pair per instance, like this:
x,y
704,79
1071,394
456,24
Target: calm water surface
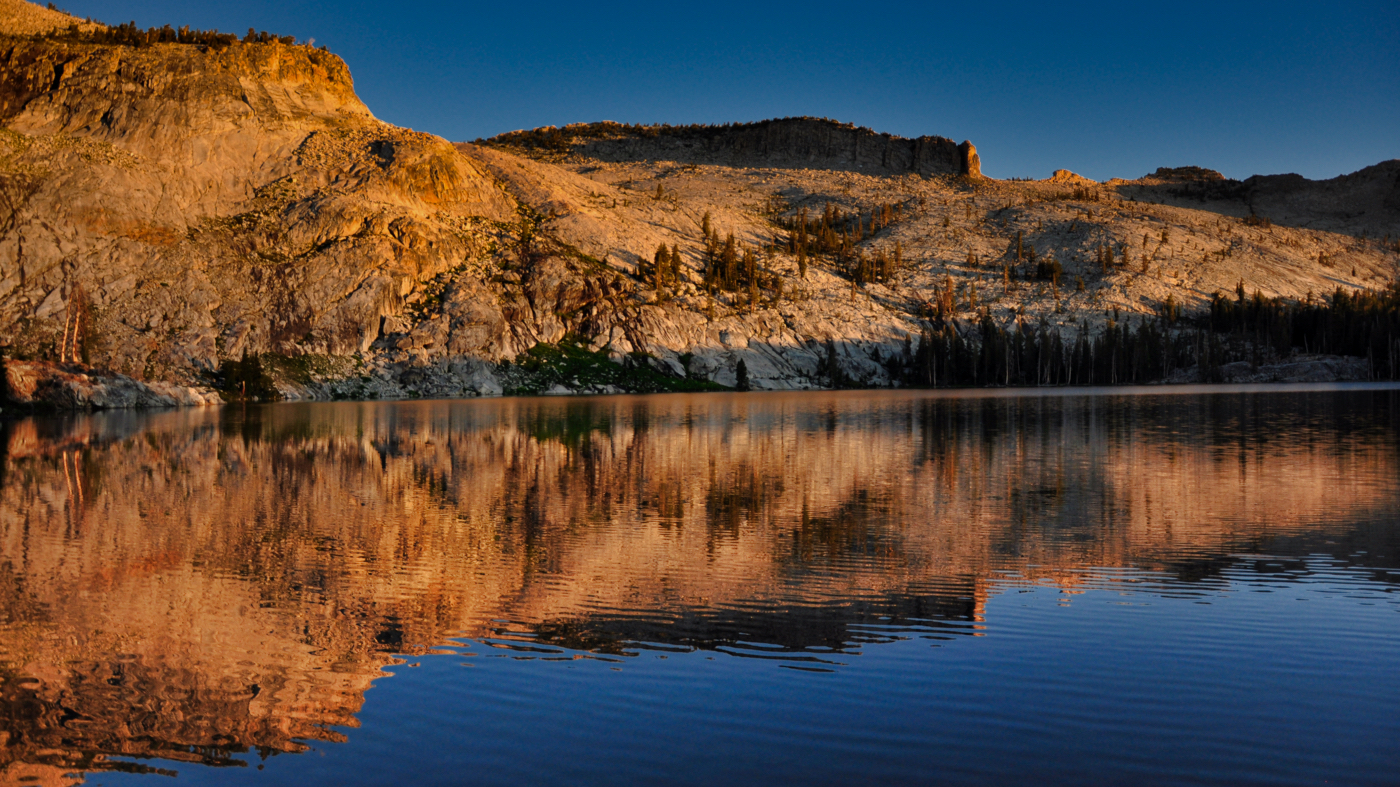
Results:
x,y
1185,587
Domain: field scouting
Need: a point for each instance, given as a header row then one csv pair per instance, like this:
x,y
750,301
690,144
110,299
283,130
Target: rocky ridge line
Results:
x,y
814,143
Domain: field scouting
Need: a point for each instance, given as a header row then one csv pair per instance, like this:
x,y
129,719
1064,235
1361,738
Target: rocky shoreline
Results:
x,y
36,386
46,385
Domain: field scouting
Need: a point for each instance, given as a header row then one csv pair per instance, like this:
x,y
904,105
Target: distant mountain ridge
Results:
x,y
799,142
1365,201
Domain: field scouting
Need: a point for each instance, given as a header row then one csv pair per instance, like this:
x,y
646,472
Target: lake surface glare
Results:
x,y
1148,587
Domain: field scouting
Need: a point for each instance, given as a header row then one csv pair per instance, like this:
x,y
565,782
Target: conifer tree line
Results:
x,y
664,271
244,379
128,34
1046,268
730,266
1019,354
1254,329
1076,194
834,235
561,138
1363,324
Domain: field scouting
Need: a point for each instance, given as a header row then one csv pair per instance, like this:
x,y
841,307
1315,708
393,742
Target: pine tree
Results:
x,y
729,263
660,266
525,245
741,376
833,367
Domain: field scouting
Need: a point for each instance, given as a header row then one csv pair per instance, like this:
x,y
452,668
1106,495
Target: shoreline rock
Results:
x,y
446,381
46,385
1295,369
67,386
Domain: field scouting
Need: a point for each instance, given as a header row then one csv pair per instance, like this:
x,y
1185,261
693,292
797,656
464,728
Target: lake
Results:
x,y
1144,586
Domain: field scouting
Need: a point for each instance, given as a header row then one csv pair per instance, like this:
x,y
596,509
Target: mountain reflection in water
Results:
x,y
195,584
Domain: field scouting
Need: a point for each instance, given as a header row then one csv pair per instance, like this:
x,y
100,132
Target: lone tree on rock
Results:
x,y
77,328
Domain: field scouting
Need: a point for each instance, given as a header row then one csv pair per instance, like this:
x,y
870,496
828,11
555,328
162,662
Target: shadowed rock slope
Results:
x,y
799,143
1366,202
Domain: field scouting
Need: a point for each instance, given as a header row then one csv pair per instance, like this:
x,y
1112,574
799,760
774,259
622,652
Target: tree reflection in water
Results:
x,y
194,585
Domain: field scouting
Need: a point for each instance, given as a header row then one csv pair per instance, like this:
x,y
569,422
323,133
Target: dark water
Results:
x,y
1188,588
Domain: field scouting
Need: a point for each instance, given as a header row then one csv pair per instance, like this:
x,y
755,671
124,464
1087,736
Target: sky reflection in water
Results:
x,y
1156,588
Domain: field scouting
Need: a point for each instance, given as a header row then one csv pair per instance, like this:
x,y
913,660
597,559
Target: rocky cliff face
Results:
x,y
210,201
201,202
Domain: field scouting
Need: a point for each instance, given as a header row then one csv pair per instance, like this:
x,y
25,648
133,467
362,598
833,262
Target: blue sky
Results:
x,y
1107,90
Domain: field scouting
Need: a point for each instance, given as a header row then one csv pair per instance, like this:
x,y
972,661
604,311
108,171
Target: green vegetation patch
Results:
x,y
572,365
256,377
244,379
308,368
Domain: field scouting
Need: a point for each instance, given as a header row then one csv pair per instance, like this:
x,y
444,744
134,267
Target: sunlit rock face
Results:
x,y
190,585
211,200
201,202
